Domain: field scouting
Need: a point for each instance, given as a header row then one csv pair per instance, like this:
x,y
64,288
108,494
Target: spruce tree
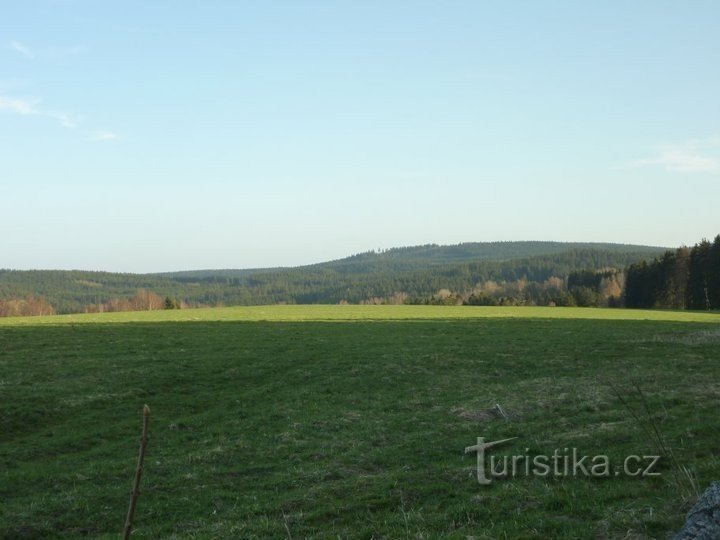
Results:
x,y
714,274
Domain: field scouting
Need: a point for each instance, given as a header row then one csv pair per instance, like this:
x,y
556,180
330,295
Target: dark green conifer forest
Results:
x,y
496,273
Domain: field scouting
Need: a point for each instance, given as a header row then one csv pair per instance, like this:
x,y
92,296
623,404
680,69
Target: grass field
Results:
x,y
351,421
363,313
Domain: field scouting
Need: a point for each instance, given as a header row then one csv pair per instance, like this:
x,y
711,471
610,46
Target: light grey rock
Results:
x,y
703,519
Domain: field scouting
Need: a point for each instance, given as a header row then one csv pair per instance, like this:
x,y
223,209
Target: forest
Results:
x,y
686,278
496,273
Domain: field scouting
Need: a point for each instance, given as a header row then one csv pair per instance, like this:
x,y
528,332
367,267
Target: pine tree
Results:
x,y
698,279
714,274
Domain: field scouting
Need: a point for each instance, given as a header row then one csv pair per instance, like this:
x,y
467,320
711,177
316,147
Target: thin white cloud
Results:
x,y
26,107
694,156
54,53
24,50
104,135
32,107
66,120
19,106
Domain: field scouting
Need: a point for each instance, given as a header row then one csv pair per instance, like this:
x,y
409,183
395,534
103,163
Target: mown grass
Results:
x,y
315,421
363,313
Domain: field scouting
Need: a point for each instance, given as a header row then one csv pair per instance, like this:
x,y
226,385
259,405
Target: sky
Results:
x,y
144,136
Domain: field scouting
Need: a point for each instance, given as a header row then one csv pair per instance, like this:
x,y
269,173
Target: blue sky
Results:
x,y
162,135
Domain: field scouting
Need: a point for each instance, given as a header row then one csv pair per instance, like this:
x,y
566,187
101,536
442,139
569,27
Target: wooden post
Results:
x,y
138,474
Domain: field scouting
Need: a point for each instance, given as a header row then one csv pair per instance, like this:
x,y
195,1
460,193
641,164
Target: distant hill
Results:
x,y
433,255
410,273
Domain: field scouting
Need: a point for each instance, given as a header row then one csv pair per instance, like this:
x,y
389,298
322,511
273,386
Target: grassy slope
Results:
x,y
346,420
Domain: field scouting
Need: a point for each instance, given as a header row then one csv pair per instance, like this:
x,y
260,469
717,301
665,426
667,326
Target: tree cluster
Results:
x,y
142,301
586,288
29,306
687,278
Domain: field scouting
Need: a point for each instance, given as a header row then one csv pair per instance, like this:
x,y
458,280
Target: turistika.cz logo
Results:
x,y
566,463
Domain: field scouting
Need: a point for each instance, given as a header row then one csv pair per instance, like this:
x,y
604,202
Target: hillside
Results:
x,y
405,274
434,255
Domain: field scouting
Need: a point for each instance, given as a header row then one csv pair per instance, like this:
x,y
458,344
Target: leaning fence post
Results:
x,y
138,474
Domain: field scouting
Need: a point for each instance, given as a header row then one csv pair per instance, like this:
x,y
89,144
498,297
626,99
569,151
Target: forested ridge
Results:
x,y
543,273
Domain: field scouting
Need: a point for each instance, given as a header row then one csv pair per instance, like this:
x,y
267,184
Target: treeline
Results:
x,y
25,307
71,291
687,278
377,279
564,274
142,301
587,288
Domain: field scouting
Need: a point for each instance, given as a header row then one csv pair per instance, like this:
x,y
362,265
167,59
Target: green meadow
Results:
x,y
351,421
